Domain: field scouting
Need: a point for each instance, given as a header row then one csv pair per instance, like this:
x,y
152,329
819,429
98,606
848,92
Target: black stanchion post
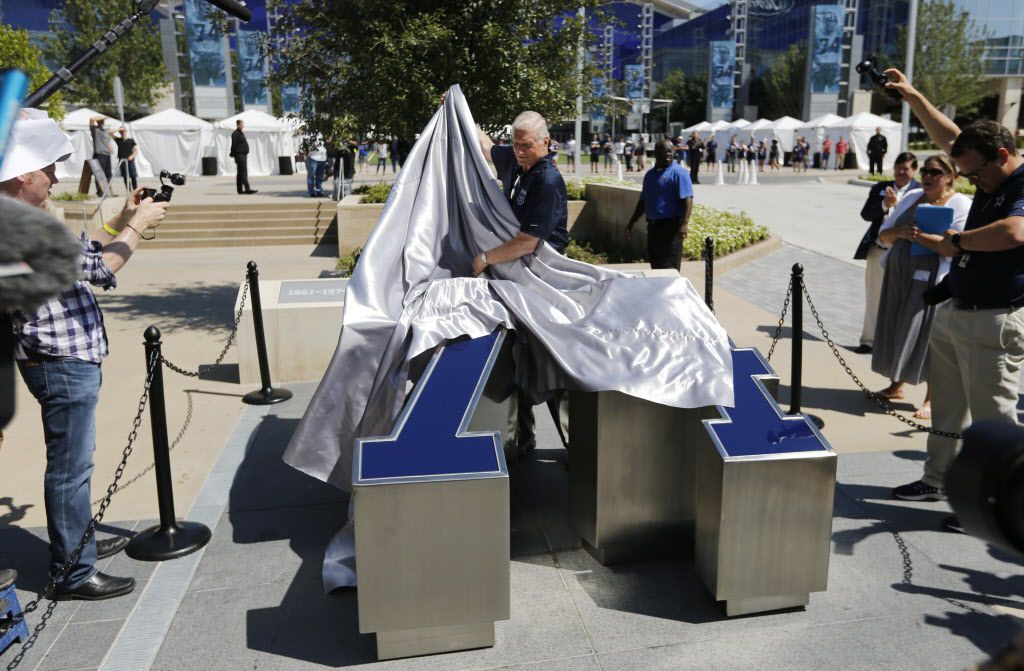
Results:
x,y
170,539
797,369
796,282
266,394
709,272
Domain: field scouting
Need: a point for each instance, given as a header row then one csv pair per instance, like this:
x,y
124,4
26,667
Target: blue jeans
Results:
x,y
67,390
315,171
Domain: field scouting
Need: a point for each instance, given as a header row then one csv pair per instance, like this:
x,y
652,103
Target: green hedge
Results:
x,y
961,185
71,196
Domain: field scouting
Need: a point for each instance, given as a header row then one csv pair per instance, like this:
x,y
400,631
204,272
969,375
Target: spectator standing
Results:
x,y
977,344
640,152
570,150
609,152
364,154
102,148
826,153
695,150
842,146
627,151
239,151
878,146
904,324
666,200
127,151
762,155
554,148
798,155
620,151
731,154
316,167
382,157
595,153
882,198
773,156
59,349
712,151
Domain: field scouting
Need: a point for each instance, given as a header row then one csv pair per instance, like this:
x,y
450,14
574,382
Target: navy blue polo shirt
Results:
x,y
992,278
539,201
663,189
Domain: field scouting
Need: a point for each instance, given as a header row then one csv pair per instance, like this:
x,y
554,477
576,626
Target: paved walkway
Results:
x,y
253,599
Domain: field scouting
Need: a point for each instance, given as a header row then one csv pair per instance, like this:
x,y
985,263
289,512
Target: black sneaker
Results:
x,y
918,491
952,524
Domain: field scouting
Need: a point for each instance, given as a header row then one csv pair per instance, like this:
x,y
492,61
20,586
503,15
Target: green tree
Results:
x,y
782,88
387,62
16,51
948,66
136,57
688,95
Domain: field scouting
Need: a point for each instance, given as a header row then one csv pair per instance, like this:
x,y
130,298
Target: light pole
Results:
x,y
909,71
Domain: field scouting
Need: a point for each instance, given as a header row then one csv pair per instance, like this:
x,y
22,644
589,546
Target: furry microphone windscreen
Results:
x,y
34,237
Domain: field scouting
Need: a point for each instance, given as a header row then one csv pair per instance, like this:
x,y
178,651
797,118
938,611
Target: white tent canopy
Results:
x,y
859,128
723,132
268,139
76,125
783,131
814,130
703,130
762,130
171,140
741,129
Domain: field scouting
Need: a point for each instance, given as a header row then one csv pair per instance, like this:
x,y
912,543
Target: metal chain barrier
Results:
x,y
227,345
782,319
177,439
90,530
879,401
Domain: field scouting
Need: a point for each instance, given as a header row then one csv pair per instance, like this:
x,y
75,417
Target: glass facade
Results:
x,y
1002,22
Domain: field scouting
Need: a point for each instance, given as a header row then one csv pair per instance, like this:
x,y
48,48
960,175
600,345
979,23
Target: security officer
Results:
x,y
977,345
536,191
667,200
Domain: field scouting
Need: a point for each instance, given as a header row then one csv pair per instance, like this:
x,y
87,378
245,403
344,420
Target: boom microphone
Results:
x,y
39,257
233,8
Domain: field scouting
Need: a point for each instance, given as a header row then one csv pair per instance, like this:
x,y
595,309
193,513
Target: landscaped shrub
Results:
x,y
961,185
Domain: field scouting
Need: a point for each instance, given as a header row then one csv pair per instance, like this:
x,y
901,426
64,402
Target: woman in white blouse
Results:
x,y
904,322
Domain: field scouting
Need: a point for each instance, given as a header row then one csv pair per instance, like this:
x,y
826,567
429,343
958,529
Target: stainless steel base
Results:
x,y
432,640
632,476
734,607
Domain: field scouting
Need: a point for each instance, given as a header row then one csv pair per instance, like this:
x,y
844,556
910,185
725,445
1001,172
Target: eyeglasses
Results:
x,y
976,173
933,172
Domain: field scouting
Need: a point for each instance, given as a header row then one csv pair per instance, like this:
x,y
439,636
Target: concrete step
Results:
x,y
163,243
220,233
247,215
217,210
252,223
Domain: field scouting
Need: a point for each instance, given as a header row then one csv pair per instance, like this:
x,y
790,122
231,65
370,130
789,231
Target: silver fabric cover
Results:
x,y
579,326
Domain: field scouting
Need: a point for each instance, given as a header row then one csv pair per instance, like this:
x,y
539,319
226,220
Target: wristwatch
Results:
x,y
955,239
483,257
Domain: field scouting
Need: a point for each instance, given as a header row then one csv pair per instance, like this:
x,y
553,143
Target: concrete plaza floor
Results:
x,y
253,597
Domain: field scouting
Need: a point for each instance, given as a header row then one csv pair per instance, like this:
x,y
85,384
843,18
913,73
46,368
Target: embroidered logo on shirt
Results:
x,y
521,197
999,200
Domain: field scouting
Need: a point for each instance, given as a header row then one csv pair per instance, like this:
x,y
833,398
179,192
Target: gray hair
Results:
x,y
533,122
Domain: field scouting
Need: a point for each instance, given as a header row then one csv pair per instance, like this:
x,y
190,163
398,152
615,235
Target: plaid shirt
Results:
x,y
70,325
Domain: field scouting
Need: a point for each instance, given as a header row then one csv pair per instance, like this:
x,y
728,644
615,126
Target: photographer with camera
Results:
x,y
59,349
977,343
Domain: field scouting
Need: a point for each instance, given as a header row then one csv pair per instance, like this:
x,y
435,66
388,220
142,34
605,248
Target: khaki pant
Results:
x,y
873,276
975,375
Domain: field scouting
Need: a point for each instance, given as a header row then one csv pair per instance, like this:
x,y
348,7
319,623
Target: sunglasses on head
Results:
x,y
933,172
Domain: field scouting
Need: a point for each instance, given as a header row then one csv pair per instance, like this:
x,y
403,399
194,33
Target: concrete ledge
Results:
x,y
860,182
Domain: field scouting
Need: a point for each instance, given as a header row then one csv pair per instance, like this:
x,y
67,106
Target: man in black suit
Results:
x,y
881,199
240,152
877,148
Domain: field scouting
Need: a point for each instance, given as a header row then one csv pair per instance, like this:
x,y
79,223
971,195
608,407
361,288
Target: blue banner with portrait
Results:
x,y
206,60
827,48
598,90
290,99
634,81
721,75
252,71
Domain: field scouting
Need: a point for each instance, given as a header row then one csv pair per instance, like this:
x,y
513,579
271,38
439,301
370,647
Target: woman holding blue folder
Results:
x,y
914,229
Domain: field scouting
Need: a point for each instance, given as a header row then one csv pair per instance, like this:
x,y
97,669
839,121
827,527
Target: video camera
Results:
x,y
164,195
869,67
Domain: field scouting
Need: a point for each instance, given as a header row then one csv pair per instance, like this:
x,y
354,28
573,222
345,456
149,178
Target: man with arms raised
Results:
x,y
536,191
59,349
977,345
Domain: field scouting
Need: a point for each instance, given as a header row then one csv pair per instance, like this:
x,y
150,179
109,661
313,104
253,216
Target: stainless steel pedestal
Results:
x,y
632,476
432,509
765,487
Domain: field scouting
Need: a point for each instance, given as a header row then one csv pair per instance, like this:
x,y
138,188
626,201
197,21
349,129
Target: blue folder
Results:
x,y
931,219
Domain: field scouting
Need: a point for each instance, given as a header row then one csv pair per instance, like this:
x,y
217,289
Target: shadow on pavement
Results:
x,y
271,501
203,306
22,550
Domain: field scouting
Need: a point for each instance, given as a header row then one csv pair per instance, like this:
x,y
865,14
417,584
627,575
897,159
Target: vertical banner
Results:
x,y
634,81
721,79
598,90
252,72
206,58
290,99
827,50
